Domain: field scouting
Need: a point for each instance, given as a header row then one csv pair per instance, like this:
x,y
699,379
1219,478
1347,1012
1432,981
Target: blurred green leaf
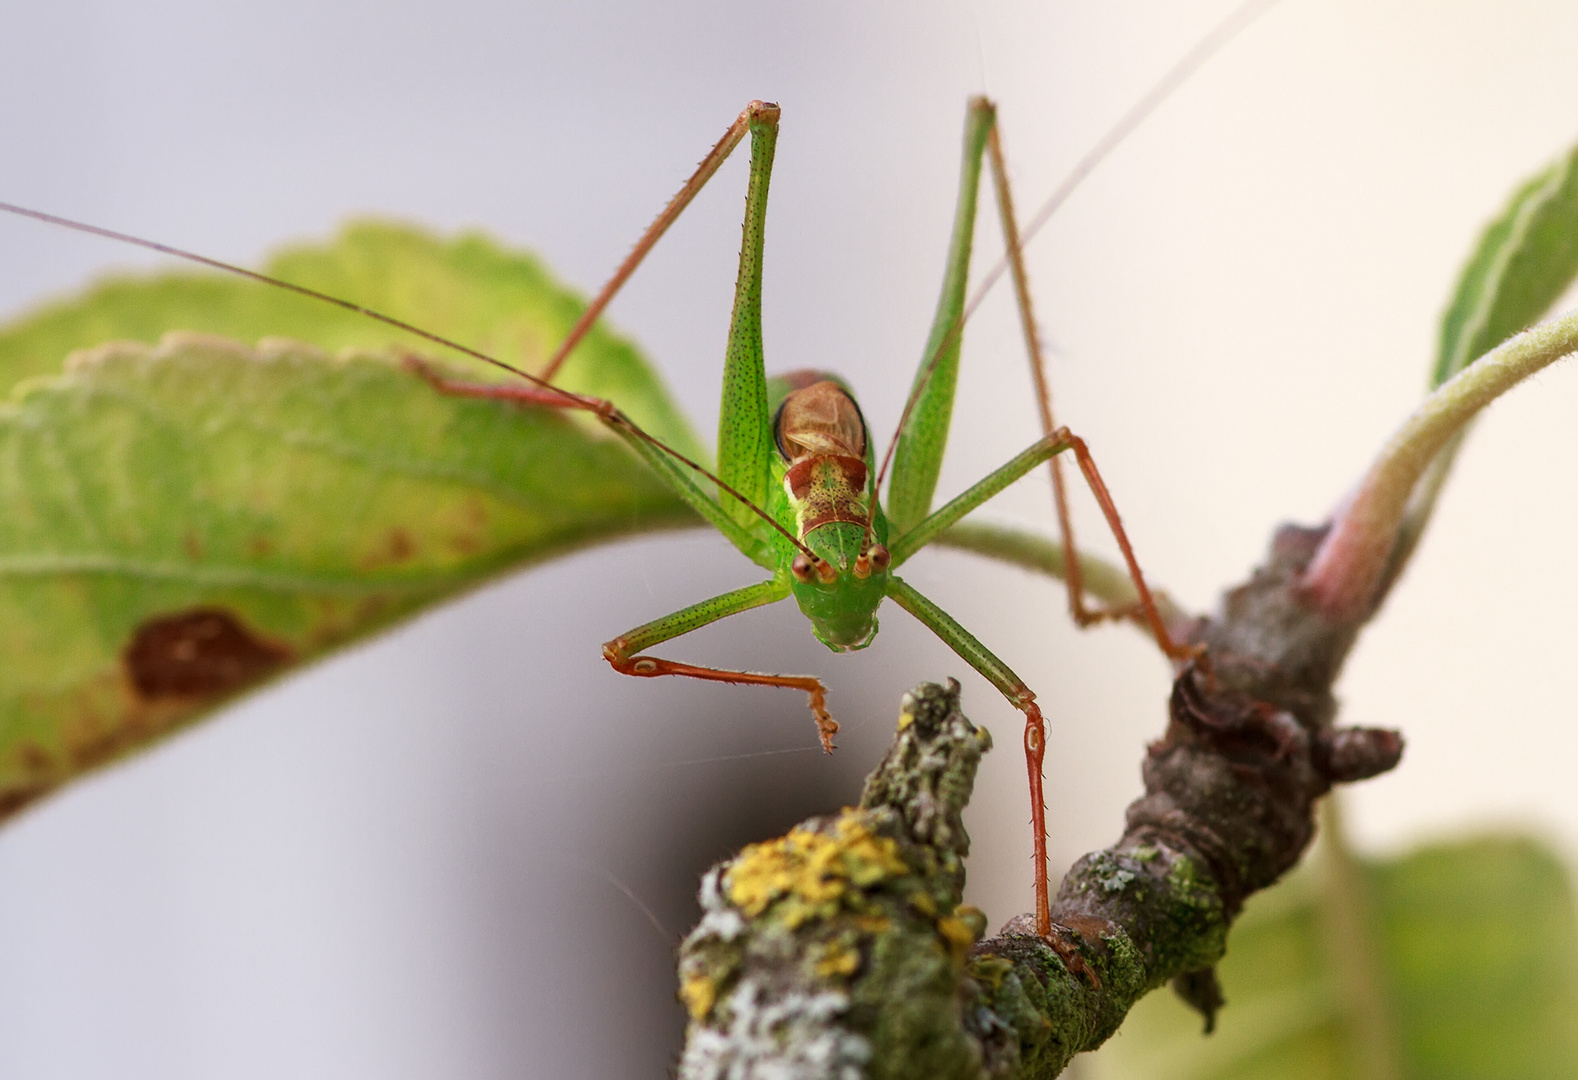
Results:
x,y
1525,259
180,522
1479,945
503,303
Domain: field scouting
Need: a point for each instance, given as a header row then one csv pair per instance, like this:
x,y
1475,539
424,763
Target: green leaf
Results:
x,y
499,302
1525,259
1480,955
180,522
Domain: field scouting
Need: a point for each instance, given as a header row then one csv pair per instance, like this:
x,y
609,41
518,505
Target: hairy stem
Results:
x,y
1343,580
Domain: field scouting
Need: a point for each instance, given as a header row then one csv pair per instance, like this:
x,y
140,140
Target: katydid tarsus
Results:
x,y
797,481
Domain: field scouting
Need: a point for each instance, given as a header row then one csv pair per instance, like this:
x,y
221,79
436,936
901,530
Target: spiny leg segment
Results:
x,y
1083,615
676,206
979,656
621,651
1060,438
673,466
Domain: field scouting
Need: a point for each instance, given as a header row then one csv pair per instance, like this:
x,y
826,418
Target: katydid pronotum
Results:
x,y
797,481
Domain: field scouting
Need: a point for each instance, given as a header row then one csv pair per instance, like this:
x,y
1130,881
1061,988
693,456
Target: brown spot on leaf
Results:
x,y
193,545
470,536
202,652
33,758
401,546
260,546
393,547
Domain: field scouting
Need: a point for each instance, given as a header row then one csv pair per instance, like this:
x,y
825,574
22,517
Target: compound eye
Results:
x,y
880,558
802,568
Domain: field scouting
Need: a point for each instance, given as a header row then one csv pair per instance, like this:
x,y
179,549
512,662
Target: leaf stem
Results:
x,y
1343,581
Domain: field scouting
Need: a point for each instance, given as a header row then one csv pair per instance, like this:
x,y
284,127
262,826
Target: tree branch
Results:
x,y
842,951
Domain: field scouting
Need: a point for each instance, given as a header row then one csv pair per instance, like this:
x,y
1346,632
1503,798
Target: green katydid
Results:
x,y
797,481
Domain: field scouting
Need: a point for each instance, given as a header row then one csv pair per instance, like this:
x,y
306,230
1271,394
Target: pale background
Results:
x,y
466,850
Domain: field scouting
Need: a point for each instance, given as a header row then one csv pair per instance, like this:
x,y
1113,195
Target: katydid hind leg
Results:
x,y
621,652
1145,611
917,449
745,442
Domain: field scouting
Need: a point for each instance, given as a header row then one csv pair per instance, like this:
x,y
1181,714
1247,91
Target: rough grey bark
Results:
x,y
841,951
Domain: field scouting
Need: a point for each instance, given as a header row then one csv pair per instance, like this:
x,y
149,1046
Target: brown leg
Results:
x,y
520,393
617,653
709,165
668,462
1145,611
1035,755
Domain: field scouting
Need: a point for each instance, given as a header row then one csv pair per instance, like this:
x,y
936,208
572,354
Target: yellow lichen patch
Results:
x,y
699,994
922,902
906,718
813,873
839,959
990,970
974,916
959,935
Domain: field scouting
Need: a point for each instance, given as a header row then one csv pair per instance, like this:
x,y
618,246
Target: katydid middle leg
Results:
x,y
918,450
1012,687
917,456
1146,608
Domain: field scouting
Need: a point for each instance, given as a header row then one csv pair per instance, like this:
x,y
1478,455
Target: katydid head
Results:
x,y
841,589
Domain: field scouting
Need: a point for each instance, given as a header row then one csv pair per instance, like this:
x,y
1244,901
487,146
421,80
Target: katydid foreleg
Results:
x,y
619,652
745,441
977,655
